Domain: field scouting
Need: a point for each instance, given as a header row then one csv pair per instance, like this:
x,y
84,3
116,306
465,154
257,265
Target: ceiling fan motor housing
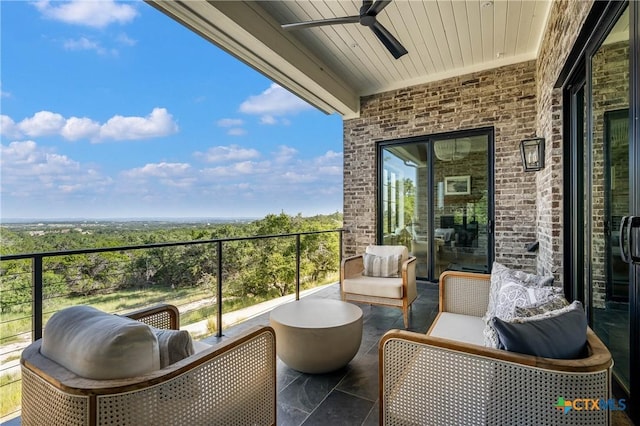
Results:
x,y
367,20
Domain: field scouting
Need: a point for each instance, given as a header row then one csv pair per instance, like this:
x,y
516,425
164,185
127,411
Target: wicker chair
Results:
x,y
232,383
397,292
438,381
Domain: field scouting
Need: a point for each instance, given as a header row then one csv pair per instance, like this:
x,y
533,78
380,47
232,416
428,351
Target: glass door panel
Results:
x,y
404,201
608,194
461,215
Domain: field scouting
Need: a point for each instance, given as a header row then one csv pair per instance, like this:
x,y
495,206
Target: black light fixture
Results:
x,y
532,151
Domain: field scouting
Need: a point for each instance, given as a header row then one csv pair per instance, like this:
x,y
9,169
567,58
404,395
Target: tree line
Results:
x,y
259,267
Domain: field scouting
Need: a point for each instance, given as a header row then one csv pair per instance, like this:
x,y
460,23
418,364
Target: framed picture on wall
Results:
x,y
457,185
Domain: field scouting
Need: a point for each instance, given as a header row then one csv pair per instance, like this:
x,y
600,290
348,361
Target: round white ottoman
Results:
x,y
317,335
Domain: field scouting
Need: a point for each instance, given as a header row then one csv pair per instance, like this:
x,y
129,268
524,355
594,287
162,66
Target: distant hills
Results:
x,y
138,220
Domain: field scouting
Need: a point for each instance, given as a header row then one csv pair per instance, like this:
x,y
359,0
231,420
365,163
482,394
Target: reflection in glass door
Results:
x,y
608,194
461,208
435,198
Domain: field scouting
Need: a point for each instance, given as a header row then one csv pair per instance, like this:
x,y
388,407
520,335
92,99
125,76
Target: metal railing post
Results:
x,y
36,301
219,292
298,267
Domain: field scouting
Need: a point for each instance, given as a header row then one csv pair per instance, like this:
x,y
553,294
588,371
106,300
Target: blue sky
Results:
x,y
112,110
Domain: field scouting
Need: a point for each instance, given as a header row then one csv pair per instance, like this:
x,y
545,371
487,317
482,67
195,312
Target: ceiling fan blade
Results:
x,y
321,22
389,41
377,7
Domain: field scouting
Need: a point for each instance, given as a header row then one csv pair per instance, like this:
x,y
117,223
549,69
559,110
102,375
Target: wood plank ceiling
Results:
x,y
444,38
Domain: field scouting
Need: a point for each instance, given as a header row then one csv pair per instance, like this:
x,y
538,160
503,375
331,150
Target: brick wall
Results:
x,y
503,98
566,18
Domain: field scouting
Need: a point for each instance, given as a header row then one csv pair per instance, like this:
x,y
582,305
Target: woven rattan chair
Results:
x,y
397,292
437,381
232,383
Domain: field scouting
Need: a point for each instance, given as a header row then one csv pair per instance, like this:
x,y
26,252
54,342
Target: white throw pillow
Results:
x,y
97,345
382,266
174,345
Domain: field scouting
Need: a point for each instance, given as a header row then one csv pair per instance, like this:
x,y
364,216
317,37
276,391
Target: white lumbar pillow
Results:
x,y
97,345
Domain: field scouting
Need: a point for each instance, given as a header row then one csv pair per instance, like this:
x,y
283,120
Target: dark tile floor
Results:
x,y
612,326
348,396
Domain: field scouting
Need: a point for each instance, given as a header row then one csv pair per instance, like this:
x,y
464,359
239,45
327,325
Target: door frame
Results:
x,y
429,140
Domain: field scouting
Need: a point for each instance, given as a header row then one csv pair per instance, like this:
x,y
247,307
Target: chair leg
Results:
x,y
405,316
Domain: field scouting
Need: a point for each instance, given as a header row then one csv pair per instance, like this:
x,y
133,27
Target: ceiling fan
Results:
x,y
368,13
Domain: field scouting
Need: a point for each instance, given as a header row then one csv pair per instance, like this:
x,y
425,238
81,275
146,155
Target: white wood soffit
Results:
x,y
331,67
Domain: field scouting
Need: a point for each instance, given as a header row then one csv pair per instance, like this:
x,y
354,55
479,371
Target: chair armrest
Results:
x,y
160,316
351,267
430,380
409,278
464,293
236,377
69,382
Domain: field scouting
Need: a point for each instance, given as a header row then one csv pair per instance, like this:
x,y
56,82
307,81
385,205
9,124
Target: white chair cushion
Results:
x,y
458,327
374,286
97,345
388,251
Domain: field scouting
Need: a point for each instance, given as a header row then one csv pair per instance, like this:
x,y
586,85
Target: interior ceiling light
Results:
x,y
452,149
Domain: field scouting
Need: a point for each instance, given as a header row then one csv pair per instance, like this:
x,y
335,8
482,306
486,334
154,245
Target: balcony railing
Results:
x,y
43,288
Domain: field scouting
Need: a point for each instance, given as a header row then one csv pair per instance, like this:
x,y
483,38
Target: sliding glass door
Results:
x,y
436,198
608,192
602,105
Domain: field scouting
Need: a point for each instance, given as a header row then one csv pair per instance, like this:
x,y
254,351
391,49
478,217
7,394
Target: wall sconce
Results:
x,y
532,151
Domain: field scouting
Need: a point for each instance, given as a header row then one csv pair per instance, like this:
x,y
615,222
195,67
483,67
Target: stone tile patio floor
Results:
x,y
348,396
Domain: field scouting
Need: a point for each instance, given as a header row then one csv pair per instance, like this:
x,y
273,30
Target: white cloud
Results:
x,y
42,123
175,175
234,126
230,122
124,39
219,154
80,128
83,43
33,171
268,119
158,123
46,123
295,177
70,188
237,169
275,101
158,170
91,13
236,131
284,154
8,127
